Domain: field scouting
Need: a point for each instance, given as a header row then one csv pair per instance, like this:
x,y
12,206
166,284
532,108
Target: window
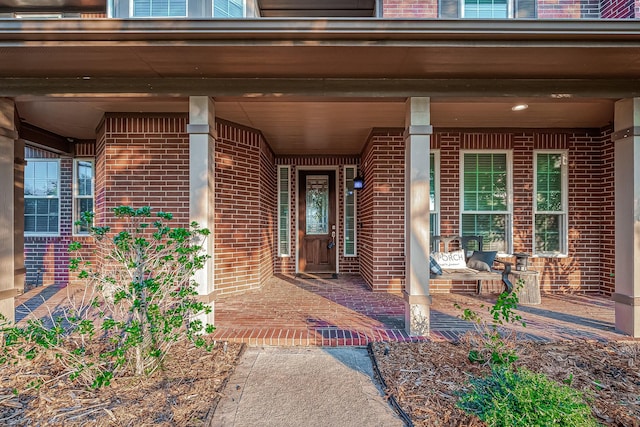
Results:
x,y
284,214
350,173
82,193
42,197
487,9
550,203
228,8
486,201
159,8
434,193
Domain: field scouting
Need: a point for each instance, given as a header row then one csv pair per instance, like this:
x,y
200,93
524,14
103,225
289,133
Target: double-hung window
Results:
x,y
487,9
228,8
83,173
550,203
159,8
485,198
42,197
434,193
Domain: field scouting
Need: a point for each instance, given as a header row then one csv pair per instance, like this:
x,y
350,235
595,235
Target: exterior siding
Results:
x,y
237,258
146,163
545,9
143,160
268,212
608,238
619,9
568,9
410,8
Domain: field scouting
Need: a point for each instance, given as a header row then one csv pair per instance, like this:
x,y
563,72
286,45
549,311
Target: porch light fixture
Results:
x,y
358,181
519,107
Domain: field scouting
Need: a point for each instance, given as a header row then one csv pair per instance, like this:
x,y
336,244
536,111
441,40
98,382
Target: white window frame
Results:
x,y
436,208
244,11
509,212
131,9
564,238
281,253
355,213
510,10
76,196
58,197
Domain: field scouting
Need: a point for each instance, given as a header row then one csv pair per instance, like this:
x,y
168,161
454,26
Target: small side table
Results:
x,y
530,292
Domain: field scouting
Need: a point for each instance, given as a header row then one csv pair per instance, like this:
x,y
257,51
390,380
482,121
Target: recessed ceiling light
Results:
x,y
519,107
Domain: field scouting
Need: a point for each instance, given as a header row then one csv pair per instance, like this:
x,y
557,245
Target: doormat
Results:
x,y
309,276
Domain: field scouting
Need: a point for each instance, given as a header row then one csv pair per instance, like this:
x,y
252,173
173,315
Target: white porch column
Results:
x,y
626,138
417,134
202,137
10,269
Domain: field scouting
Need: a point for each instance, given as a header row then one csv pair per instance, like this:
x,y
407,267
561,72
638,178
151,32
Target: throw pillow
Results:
x,y
452,260
478,265
478,258
434,266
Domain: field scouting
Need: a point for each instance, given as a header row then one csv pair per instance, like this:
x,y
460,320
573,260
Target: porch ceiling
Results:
x,y
323,125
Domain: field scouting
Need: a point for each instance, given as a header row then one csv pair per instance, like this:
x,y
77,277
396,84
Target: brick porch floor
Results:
x,y
291,311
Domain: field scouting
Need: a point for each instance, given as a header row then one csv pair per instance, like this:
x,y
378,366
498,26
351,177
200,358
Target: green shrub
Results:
x,y
136,303
513,398
490,345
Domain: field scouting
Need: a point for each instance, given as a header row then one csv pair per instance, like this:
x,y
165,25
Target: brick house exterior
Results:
x,y
143,151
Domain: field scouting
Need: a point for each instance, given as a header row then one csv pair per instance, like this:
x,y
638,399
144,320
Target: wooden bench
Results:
x,y
469,244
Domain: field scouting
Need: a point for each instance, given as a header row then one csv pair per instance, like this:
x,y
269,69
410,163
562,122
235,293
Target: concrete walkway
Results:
x,y
282,387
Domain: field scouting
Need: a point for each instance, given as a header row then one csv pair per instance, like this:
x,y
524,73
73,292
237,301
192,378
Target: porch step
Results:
x,y
316,337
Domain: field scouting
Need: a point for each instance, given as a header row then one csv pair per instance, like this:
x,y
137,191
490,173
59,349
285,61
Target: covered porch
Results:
x,y
206,132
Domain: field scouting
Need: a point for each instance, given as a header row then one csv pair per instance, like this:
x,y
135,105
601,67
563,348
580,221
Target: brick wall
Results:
x,y
546,9
618,9
607,230
268,212
238,219
144,161
381,211
46,258
410,9
346,265
568,9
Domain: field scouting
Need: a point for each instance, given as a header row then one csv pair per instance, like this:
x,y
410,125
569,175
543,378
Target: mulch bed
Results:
x,y
425,377
183,394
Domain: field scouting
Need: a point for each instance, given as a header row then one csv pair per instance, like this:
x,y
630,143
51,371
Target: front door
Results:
x,y
317,222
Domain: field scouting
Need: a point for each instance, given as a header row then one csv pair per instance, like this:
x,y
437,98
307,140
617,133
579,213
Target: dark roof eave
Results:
x,y
320,31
